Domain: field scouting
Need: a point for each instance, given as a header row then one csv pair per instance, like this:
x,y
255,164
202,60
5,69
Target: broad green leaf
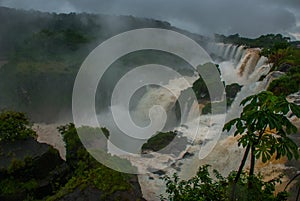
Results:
x,y
295,109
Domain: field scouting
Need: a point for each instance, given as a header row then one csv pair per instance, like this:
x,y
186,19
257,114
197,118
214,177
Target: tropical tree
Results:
x,y
263,129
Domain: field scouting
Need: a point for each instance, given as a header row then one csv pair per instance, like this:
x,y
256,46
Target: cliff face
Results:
x,y
93,194
35,171
28,169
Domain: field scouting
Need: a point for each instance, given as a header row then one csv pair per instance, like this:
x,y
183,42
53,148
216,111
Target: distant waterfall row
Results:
x,y
221,51
237,63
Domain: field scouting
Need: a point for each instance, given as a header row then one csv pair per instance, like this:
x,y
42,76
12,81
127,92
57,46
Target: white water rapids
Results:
x,y
237,65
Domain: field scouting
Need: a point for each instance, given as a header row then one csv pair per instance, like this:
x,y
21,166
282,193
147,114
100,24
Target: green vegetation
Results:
x,y
14,126
34,178
45,51
86,171
159,141
288,61
269,41
203,187
263,129
11,186
200,89
286,84
283,54
22,160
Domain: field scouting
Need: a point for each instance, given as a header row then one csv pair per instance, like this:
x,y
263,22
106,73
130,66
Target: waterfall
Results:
x,y
239,53
227,52
233,51
245,67
237,65
262,60
165,97
251,86
249,62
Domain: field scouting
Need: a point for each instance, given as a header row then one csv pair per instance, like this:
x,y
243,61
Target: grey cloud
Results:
x,y
249,18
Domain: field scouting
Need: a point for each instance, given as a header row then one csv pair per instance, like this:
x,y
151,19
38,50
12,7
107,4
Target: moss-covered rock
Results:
x,y
28,169
89,179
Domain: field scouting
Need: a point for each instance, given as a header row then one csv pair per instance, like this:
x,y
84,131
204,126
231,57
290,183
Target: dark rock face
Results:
x,y
20,150
28,168
93,194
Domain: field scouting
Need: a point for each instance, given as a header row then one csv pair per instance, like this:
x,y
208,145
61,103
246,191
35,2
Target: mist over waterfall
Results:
x,y
200,133
237,64
243,66
104,105
166,97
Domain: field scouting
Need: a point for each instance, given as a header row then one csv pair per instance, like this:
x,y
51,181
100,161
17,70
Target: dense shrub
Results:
x,y
14,126
205,187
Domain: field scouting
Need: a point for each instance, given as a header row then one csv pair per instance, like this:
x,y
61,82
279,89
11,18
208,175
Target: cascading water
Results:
x,y
161,96
237,65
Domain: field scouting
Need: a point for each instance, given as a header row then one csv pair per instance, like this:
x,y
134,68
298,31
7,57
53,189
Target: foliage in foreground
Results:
x,y
205,187
263,129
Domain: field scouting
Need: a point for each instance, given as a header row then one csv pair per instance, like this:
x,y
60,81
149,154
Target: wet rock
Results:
x,y
187,155
175,167
157,172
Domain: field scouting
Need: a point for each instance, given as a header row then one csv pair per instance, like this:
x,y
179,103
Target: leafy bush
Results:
x,y
15,126
13,186
285,85
203,187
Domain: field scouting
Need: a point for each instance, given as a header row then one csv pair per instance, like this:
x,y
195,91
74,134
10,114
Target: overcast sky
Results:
x,y
248,18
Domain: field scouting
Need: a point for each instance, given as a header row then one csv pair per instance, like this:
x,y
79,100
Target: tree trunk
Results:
x,y
251,172
237,177
252,164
